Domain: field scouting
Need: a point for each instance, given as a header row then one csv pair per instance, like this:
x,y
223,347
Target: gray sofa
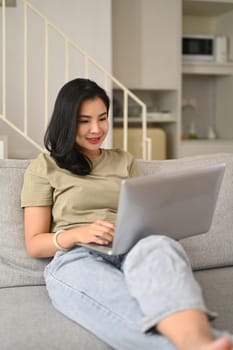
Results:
x,y
27,318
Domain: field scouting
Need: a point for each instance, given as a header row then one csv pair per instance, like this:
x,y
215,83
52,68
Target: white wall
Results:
x,y
87,23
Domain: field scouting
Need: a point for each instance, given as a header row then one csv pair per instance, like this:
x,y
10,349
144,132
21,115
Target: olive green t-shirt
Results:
x,y
78,200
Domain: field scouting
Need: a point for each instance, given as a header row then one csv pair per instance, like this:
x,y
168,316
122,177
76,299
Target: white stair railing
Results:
x,y
108,79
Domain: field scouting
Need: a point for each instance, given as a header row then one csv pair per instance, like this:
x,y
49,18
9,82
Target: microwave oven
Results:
x,y
198,47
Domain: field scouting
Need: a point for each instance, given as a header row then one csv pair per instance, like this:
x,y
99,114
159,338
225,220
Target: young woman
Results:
x,y
146,299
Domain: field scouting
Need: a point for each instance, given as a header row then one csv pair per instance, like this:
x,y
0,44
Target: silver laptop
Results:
x,y
179,204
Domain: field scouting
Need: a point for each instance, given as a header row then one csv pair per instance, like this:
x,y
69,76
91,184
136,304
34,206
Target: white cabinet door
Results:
x,y
147,43
161,44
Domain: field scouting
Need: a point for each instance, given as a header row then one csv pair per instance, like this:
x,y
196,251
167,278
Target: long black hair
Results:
x,y
60,137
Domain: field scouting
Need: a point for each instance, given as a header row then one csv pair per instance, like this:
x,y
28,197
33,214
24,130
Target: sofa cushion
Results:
x,y
29,321
16,267
214,248
217,288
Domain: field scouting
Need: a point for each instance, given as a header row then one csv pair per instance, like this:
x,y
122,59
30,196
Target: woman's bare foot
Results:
x,y
219,344
190,330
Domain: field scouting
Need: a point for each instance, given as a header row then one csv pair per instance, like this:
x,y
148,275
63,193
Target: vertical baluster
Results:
x,y
106,82
46,72
4,59
67,60
25,68
144,133
125,121
86,66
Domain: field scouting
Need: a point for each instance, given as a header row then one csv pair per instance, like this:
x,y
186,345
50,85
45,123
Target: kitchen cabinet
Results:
x,y
156,135
163,111
146,43
207,87
193,147
146,59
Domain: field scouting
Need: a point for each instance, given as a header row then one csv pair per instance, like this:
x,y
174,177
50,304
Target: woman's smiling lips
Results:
x,y
94,140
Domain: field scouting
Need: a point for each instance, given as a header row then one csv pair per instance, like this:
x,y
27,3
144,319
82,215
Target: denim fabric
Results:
x,y
121,298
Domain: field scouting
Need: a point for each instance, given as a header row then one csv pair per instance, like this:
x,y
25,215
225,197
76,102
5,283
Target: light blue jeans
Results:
x,y
120,299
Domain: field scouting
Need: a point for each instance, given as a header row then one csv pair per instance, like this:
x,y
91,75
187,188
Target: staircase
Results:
x,y
34,101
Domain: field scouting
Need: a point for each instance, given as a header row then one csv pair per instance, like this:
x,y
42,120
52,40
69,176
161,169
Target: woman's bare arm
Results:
x,y
39,241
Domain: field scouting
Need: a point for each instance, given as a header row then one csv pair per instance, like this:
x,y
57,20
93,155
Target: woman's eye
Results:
x,y
83,121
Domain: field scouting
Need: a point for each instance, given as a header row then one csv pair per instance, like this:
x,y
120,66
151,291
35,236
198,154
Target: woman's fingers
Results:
x,y
104,231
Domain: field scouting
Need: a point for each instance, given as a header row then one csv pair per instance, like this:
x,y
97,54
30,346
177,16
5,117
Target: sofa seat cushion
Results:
x,y
214,248
29,321
217,288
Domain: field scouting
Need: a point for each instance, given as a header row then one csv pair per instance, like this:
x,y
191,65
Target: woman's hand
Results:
x,y
100,232
39,241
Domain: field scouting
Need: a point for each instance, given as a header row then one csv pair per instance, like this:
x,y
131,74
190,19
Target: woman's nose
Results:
x,y
95,127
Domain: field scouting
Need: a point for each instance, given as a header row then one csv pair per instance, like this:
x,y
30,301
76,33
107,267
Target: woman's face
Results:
x,y
92,126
